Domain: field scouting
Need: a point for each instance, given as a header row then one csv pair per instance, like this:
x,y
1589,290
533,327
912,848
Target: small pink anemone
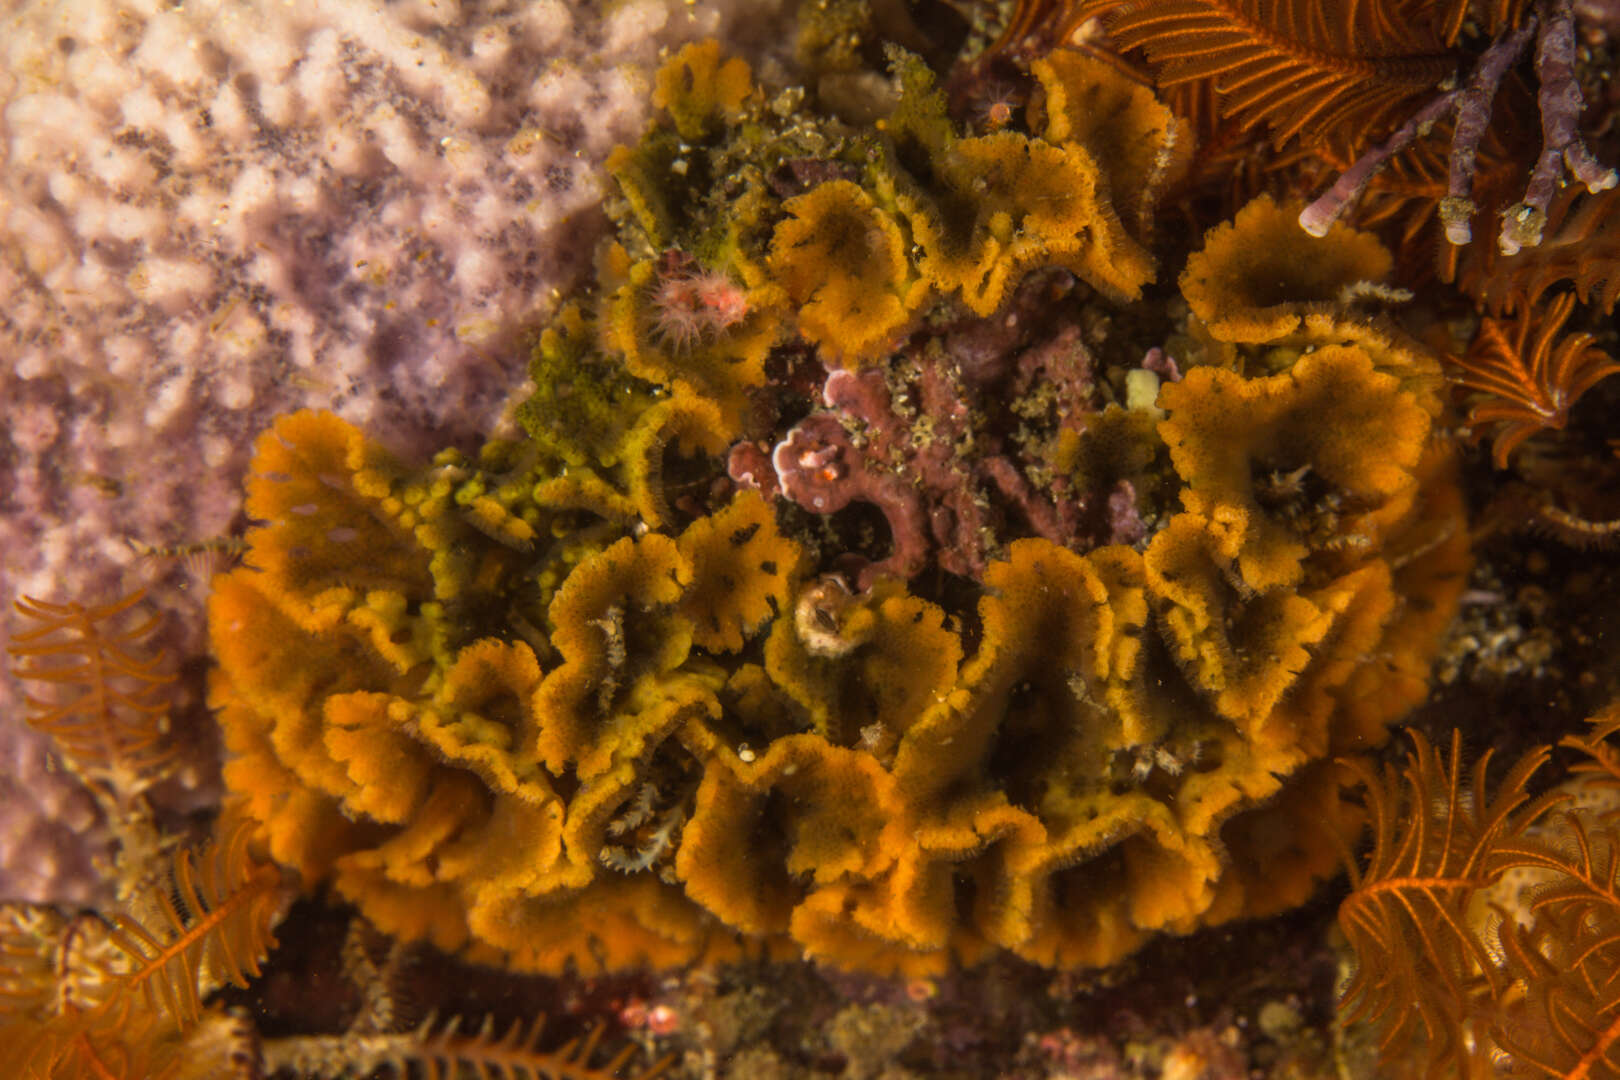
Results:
x,y
692,304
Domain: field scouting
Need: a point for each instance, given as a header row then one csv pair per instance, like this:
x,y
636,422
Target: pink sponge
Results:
x,y
50,830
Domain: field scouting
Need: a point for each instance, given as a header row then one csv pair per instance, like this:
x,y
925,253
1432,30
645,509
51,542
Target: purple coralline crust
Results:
x,y
819,467
1552,27
216,212
936,440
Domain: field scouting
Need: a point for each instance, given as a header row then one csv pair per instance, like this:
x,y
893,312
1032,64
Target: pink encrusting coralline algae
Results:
x,y
215,212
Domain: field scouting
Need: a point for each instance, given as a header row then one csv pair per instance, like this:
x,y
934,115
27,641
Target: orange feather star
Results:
x,y
1531,379
1300,67
109,712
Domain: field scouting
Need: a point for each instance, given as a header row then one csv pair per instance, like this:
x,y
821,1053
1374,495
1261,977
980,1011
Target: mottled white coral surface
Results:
x,y
213,212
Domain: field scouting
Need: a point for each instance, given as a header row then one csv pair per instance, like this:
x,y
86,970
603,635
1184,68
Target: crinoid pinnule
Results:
x,y
1531,377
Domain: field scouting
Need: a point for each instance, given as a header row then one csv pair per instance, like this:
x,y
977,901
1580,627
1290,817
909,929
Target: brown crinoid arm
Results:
x,y
104,699
1299,67
1580,245
1530,376
1425,974
1565,948
1486,924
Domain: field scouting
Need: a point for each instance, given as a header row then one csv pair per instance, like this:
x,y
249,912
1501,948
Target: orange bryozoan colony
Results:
x,y
587,699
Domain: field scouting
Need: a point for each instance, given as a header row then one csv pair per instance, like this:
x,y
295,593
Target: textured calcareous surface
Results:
x,y
216,212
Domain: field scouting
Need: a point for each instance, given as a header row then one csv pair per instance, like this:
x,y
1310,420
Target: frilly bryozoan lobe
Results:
x,y
582,701
617,783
